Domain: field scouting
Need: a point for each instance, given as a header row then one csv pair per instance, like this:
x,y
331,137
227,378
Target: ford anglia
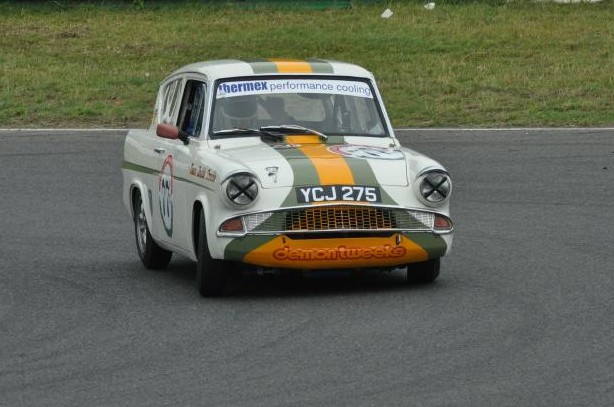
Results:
x,y
278,165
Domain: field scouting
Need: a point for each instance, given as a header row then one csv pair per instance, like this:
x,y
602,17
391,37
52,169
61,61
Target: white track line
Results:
x,y
42,130
506,129
64,130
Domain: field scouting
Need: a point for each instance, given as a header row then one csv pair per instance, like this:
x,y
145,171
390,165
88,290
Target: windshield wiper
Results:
x,y
292,128
277,132
249,132
236,130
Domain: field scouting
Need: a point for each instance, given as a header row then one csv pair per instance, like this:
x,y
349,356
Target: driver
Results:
x,y
238,112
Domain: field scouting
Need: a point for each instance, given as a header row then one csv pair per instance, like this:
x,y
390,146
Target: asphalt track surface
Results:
x,y
522,315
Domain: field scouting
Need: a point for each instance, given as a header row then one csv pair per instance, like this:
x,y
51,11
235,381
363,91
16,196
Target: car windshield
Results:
x,y
331,106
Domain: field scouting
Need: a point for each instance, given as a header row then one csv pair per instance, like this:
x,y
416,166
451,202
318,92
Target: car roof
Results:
x,y
227,68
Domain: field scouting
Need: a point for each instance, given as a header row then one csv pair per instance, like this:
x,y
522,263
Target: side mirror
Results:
x,y
167,131
171,132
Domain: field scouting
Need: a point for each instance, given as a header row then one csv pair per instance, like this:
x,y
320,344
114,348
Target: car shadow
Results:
x,y
297,284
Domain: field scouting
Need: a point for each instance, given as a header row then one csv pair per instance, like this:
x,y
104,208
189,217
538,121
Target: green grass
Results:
x,y
512,64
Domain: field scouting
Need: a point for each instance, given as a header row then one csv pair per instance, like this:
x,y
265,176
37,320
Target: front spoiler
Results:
x,y
362,252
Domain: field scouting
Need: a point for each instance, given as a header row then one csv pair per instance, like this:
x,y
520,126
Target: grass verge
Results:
x,y
512,64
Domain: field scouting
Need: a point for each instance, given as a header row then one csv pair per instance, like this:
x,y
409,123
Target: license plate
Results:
x,y
345,193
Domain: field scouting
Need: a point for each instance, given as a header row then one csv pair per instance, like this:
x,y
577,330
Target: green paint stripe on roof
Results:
x,y
265,66
321,66
262,66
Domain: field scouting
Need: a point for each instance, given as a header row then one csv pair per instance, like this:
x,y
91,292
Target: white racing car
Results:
x,y
281,164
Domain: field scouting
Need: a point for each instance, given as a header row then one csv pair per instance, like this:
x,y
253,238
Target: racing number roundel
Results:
x,y
367,152
165,194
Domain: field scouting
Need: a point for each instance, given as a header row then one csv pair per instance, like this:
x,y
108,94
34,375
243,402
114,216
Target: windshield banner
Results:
x,y
276,86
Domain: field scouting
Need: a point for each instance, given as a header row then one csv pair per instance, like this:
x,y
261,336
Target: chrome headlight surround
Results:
x,y
240,189
433,187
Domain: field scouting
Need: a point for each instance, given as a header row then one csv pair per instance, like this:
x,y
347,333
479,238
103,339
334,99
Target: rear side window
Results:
x,y
170,94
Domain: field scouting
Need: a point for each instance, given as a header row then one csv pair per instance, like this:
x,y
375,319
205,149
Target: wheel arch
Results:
x,y
199,204
141,189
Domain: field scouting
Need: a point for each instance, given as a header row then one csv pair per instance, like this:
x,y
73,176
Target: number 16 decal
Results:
x,y
165,194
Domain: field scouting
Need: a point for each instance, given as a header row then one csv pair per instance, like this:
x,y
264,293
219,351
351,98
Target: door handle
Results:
x,y
160,150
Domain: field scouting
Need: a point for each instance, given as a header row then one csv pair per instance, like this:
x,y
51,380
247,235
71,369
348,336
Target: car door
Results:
x,y
162,183
175,199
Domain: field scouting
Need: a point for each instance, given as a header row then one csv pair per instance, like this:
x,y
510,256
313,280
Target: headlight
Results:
x,y
434,187
242,189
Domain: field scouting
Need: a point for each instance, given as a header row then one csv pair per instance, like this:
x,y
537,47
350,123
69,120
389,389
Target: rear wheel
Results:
x,y
424,272
212,275
153,256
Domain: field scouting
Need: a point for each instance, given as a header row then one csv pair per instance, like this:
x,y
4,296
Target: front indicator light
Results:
x,y
234,225
442,224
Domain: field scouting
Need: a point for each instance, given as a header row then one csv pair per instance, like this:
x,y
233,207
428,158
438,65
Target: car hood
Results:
x,y
307,160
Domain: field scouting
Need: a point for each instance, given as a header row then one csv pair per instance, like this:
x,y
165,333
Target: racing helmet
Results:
x,y
239,112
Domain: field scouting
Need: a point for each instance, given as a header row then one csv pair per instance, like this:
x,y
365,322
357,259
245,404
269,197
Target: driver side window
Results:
x,y
192,108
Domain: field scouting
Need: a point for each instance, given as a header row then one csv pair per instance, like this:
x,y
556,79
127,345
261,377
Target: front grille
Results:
x,y
338,218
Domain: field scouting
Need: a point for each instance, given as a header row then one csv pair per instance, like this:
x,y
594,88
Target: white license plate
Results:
x,y
330,193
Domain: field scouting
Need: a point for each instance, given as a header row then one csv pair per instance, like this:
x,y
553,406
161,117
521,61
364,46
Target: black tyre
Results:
x,y
153,256
212,275
424,272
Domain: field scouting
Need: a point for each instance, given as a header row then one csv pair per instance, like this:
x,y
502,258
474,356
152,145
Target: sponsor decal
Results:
x,y
339,253
202,172
242,87
327,193
367,152
276,86
165,194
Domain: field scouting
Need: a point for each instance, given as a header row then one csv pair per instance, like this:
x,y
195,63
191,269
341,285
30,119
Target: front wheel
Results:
x,y
424,272
212,275
153,256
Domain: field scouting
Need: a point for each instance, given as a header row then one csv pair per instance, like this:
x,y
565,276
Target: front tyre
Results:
x,y
153,256
212,275
424,272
